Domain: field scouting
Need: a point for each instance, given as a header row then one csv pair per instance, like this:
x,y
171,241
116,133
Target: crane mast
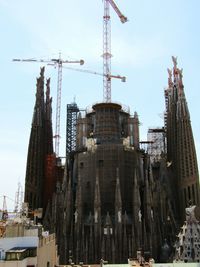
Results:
x,y
5,211
19,195
58,107
107,47
106,52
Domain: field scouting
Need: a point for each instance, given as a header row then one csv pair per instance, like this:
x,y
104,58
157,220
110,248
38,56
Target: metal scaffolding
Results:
x,y
72,114
157,138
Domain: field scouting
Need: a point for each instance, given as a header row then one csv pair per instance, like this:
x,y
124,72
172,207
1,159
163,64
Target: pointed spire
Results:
x,y
125,217
97,218
48,100
170,83
67,207
42,72
108,220
108,235
40,83
39,103
48,90
137,218
78,203
174,59
65,179
180,72
136,193
147,193
118,199
118,216
91,238
97,197
182,107
48,120
125,240
178,75
35,170
97,200
68,193
175,70
180,143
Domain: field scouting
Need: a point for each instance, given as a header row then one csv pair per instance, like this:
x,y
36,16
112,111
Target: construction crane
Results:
x,y
58,62
107,76
107,47
4,215
19,195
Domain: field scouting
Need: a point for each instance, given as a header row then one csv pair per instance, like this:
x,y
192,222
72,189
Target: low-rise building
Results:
x,y
25,244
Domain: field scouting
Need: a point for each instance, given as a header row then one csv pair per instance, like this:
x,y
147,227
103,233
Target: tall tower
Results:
x,y
181,152
109,207
40,150
72,114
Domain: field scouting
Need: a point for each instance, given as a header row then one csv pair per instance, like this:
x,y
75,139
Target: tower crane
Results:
x,y
19,195
107,47
58,62
4,211
108,77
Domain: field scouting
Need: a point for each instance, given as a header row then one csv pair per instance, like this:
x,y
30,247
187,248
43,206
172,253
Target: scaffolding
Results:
x,y
156,139
72,114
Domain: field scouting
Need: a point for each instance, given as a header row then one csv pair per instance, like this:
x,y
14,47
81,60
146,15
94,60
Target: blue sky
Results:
x,y
141,49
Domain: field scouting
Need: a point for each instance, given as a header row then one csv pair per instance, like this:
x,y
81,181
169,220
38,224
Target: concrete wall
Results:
x,y
23,263
47,252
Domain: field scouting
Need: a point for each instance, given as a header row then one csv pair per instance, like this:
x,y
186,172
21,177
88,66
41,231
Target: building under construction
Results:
x,y
42,171
112,197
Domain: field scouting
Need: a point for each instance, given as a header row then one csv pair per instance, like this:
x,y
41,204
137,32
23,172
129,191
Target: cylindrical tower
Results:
x,y
107,122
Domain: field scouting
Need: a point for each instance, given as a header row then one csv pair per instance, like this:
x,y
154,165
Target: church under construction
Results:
x,y
114,195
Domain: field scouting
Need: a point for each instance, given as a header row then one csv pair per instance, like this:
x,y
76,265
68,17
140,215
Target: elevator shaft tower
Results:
x,y
72,114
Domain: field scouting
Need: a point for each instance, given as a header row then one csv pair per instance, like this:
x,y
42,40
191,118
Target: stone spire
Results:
x,y
78,203
125,238
40,182
36,152
137,218
148,210
118,217
170,83
107,238
50,159
67,217
97,201
118,199
97,218
48,120
180,144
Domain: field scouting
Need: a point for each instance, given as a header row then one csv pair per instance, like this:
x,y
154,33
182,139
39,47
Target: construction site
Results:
x,y
115,194
112,195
